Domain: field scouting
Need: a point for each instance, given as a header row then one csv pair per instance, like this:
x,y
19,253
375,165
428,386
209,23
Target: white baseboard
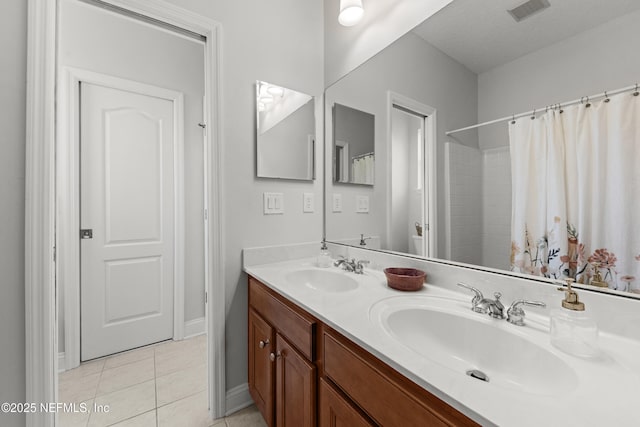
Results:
x,y
238,398
194,327
62,362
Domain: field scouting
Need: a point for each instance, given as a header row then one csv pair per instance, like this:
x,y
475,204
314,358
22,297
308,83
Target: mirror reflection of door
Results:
x,y
409,228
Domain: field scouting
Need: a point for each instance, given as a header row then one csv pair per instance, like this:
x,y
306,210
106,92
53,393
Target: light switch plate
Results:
x,y
362,204
273,203
337,202
307,202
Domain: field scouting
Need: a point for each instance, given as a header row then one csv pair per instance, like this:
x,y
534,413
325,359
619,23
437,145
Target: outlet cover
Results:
x,y
273,203
307,202
362,204
337,203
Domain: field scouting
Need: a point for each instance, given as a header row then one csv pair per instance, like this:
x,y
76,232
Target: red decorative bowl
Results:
x,y
405,279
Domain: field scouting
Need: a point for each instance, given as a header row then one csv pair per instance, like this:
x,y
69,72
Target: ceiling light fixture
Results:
x,y
351,12
276,90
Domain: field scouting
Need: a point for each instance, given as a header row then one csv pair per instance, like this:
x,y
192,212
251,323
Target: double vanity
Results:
x,y
331,347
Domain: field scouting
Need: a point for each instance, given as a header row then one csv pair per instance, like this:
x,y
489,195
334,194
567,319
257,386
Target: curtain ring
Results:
x,y
560,108
588,104
636,93
533,117
513,119
606,97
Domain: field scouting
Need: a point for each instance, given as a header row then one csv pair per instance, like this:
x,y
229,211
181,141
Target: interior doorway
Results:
x,y
49,240
412,171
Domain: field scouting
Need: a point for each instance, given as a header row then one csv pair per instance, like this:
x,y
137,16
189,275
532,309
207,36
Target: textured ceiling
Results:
x,y
481,34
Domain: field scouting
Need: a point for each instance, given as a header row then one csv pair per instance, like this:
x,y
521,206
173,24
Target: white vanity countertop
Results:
x,y
607,389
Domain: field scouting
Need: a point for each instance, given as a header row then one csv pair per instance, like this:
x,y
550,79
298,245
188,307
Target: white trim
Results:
x,y
40,310
61,362
195,327
238,398
430,175
40,320
68,197
343,162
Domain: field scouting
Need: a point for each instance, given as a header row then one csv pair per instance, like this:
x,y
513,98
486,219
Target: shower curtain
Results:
x,y
576,193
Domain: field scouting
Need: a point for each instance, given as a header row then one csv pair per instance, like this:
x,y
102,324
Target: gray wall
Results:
x,y
415,69
278,42
13,45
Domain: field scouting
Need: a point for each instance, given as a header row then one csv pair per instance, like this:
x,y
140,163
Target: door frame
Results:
x,y
40,210
68,198
429,172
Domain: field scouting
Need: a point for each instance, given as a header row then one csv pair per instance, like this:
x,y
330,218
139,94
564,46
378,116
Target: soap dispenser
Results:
x,y
324,258
572,330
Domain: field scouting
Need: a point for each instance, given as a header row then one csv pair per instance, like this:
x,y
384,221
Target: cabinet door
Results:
x,y
335,410
261,368
295,387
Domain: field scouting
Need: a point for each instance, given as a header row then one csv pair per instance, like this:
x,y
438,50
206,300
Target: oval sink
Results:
x,y
465,341
323,280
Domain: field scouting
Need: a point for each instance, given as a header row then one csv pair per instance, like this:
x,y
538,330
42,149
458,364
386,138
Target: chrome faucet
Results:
x,y
480,304
515,314
353,265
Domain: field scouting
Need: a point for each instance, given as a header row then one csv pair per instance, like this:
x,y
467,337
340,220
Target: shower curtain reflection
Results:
x,y
576,193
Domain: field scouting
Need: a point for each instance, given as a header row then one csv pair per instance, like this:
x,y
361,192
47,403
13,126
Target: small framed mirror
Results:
x,y
285,133
353,146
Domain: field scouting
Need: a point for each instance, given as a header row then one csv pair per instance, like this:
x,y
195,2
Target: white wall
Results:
x,y
603,58
281,43
464,203
384,21
13,64
496,208
417,70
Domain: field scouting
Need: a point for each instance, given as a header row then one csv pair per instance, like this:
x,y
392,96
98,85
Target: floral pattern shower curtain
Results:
x,y
576,193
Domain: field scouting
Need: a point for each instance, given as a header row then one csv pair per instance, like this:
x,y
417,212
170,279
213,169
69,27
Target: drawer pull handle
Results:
x,y
274,356
263,344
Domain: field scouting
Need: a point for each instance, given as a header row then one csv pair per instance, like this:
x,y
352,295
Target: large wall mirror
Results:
x,y
286,131
452,194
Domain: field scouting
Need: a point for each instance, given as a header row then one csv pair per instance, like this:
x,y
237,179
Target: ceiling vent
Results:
x,y
528,9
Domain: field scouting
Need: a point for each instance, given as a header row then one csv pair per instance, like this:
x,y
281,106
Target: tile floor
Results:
x,y
162,385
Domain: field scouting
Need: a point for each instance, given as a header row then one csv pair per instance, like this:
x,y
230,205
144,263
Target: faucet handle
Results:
x,y
478,295
515,313
360,266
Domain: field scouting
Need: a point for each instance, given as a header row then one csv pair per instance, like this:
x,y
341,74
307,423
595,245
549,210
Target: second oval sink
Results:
x,y
323,280
462,340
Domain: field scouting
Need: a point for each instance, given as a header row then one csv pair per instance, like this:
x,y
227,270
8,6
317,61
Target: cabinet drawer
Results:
x,y
291,322
385,395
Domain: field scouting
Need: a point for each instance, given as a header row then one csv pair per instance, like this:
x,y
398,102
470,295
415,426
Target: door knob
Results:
x,y
274,356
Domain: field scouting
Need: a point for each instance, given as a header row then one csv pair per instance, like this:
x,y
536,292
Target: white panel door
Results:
x,y
127,200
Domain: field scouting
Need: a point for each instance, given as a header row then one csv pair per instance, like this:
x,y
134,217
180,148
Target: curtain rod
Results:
x,y
537,110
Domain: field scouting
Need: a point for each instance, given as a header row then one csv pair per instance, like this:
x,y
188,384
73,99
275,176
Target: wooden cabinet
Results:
x,y
303,373
282,375
261,369
335,410
295,387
